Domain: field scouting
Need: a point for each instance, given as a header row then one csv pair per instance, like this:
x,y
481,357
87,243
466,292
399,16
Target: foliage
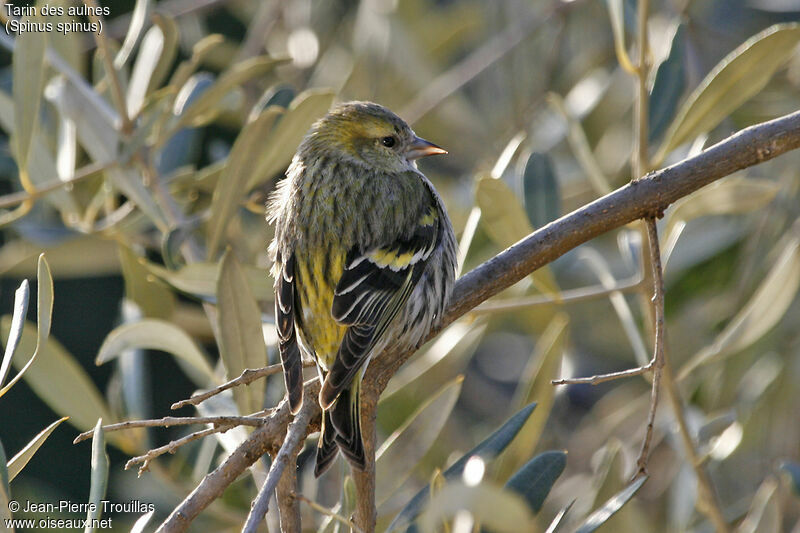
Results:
x,y
154,163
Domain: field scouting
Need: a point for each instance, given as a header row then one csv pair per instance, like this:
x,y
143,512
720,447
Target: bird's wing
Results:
x,y
284,319
374,286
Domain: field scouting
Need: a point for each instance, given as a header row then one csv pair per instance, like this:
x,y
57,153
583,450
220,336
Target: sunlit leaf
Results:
x,y
764,515
732,195
535,387
232,186
554,525
169,50
138,19
496,509
535,479
142,521
400,453
540,190
617,13
600,516
241,340
505,221
200,280
99,477
737,78
27,63
761,313
18,462
668,86
153,298
487,450
154,334
18,320
277,151
145,65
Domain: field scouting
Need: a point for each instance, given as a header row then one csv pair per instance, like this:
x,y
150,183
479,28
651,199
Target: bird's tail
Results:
x,y
341,428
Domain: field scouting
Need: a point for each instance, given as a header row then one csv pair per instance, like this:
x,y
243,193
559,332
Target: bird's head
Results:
x,y
369,134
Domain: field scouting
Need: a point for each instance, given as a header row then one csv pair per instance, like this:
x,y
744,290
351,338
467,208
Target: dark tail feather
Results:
x,y
326,449
346,418
292,373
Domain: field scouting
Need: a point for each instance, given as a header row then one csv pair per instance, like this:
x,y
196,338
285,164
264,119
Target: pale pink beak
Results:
x,y
422,148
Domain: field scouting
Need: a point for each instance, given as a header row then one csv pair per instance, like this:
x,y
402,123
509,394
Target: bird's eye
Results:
x,y
388,141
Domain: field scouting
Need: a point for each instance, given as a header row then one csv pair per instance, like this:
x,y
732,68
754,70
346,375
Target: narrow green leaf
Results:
x,y
279,148
487,450
761,313
505,221
200,111
99,483
27,64
535,479
169,50
535,387
232,186
792,470
554,525
61,383
540,190
278,95
599,517
732,195
150,54
21,297
496,509
200,280
154,334
142,521
764,515
44,312
241,339
138,19
199,52
668,86
737,78
152,296
18,462
405,448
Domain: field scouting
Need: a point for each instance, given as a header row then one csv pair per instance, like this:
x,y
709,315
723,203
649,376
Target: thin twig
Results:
x,y
295,436
111,72
248,376
169,421
659,354
327,512
174,445
567,296
87,171
602,378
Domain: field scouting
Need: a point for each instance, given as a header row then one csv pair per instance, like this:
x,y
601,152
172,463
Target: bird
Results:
x,y
364,260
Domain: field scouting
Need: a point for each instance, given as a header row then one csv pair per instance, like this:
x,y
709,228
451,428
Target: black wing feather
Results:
x,y
289,350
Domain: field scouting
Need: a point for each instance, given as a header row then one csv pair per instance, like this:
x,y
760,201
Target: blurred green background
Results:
x,y
536,113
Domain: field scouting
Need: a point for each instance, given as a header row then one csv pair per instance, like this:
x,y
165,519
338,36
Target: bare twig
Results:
x,y
602,378
567,296
659,354
642,198
295,436
174,445
248,376
256,419
366,514
87,171
111,72
327,512
288,504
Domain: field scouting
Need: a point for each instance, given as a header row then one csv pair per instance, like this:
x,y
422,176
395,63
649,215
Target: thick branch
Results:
x,y
646,197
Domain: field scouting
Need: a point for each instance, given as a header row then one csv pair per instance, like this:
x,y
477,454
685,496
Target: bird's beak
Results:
x,y
421,148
